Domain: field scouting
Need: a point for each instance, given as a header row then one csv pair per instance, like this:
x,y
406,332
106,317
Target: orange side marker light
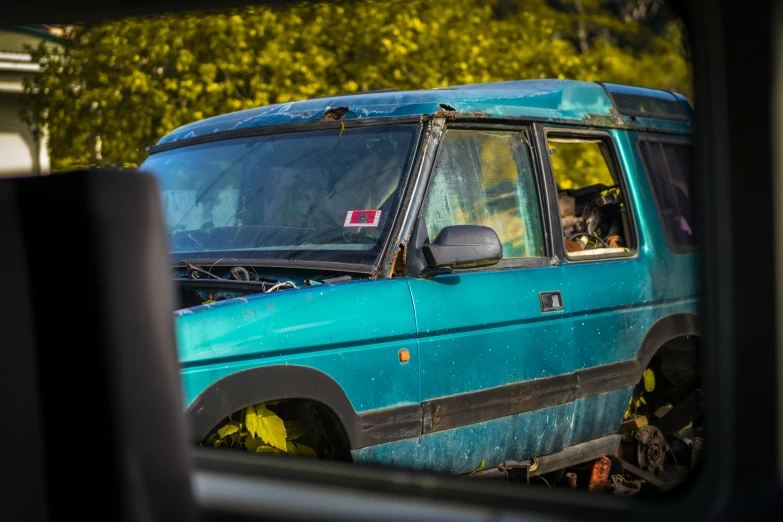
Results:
x,y
405,355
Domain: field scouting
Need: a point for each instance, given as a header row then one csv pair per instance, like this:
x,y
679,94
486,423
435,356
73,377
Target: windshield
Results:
x,y
328,196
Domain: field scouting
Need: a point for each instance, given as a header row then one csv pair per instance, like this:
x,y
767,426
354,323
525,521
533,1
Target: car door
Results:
x,y
483,332
613,280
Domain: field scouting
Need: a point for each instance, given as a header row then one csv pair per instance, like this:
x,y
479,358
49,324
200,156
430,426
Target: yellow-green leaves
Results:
x,y
300,450
296,430
252,443
257,445
265,425
228,429
578,165
649,380
268,449
251,420
480,468
261,430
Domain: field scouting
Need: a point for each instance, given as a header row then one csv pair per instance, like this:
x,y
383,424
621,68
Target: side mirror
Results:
x,y
463,246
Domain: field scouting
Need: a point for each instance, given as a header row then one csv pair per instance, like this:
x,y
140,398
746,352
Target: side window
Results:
x,y
486,178
591,198
669,168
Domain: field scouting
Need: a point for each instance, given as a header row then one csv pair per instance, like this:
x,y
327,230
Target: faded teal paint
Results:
x,y
581,102
351,331
484,329
614,303
531,434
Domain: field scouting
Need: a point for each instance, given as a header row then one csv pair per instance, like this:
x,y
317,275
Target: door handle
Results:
x,y
550,301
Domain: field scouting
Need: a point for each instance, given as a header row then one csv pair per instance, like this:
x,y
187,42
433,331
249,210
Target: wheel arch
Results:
x,y
664,331
244,388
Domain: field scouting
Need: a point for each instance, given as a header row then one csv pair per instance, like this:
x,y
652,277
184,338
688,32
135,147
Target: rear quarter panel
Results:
x,y
616,302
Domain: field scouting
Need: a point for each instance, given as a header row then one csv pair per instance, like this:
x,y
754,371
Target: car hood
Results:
x,y
286,323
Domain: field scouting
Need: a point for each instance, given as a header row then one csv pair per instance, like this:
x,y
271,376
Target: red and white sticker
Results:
x,y
362,218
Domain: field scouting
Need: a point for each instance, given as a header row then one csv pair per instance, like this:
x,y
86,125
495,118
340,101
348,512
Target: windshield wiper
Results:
x,y
193,268
237,273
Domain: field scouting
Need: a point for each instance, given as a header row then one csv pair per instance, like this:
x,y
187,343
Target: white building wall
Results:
x,y
20,153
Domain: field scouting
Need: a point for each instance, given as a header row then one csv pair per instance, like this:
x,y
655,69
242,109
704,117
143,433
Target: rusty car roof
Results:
x,y
570,101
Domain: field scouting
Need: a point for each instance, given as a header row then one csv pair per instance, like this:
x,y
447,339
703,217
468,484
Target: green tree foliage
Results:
x,y
115,88
579,164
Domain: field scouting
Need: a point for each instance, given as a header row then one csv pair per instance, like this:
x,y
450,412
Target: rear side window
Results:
x,y
592,201
669,166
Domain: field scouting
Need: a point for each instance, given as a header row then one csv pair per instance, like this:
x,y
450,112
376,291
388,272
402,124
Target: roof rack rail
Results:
x,y
642,102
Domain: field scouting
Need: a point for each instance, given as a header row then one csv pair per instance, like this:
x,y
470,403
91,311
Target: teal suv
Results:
x,y
438,279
